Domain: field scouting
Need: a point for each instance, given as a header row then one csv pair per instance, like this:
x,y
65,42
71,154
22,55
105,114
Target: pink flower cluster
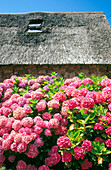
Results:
x,y
87,145
86,164
66,157
21,165
53,159
78,151
98,126
26,127
63,142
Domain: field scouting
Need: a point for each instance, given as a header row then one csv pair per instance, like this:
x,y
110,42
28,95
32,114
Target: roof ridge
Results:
x,y
49,12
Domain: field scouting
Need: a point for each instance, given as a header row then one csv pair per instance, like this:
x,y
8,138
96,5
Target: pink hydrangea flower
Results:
x,y
108,142
108,130
6,144
2,158
43,167
21,101
64,121
47,132
72,103
33,151
91,94
37,129
47,125
27,122
54,123
84,92
21,147
76,93
87,80
108,114
27,108
53,160
19,113
106,82
38,142
13,147
7,104
53,104
107,92
18,138
11,158
59,96
87,145
78,152
27,95
41,105
46,116
37,118
68,90
99,98
5,135
25,130
76,84
17,125
54,149
27,139
40,123
64,111
62,130
86,164
39,79
109,166
102,119
98,126
6,111
14,106
66,157
31,82
31,167
35,86
21,165
109,106
68,81
36,95
63,142
57,116
87,102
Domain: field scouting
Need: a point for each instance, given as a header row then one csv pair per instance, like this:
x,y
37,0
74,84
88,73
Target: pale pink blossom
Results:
x,y
36,95
27,122
53,104
17,125
21,147
41,105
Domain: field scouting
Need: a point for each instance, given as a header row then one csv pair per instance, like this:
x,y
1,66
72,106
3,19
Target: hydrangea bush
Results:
x,y
48,123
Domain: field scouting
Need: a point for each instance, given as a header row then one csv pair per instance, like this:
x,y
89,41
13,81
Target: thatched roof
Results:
x,y
61,38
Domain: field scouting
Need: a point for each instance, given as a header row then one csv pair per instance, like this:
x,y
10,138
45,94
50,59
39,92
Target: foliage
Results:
x,y
50,123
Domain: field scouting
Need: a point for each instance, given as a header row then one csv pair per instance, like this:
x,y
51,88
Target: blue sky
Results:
x,y
20,6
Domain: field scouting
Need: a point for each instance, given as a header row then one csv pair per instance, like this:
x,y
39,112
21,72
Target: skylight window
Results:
x,y
34,26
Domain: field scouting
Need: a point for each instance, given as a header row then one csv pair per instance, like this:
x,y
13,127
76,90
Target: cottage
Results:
x,y
68,43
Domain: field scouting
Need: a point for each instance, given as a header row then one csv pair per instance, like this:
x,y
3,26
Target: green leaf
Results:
x,y
87,119
81,121
92,116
